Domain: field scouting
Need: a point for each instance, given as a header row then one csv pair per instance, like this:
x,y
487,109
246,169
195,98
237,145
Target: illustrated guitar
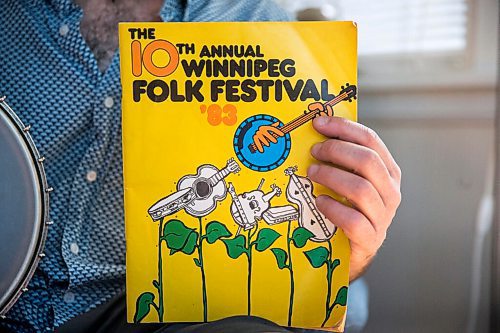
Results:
x,y
300,192
208,187
276,153
197,194
247,208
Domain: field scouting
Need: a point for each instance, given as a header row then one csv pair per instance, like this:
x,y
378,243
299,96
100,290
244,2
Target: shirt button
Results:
x,y
63,30
91,176
69,297
74,248
109,102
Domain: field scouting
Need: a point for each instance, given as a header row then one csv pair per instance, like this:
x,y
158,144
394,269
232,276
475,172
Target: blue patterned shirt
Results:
x,y
52,80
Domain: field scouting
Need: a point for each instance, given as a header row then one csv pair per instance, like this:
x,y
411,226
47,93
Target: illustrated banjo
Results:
x,y
24,204
276,153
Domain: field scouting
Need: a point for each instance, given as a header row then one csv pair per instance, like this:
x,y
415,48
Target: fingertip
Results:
x,y
331,209
322,200
315,149
324,203
312,169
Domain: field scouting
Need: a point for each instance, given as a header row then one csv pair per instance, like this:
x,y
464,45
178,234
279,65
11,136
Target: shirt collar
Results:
x,y
173,10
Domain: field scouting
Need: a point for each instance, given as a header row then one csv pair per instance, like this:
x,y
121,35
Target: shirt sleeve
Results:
x,y
234,10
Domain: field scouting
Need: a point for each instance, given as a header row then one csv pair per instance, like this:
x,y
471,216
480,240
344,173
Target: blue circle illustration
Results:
x,y
272,156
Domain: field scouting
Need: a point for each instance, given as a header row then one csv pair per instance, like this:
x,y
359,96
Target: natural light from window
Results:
x,y
394,27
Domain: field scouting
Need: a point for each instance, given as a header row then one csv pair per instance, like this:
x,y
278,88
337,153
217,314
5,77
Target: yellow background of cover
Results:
x,y
164,141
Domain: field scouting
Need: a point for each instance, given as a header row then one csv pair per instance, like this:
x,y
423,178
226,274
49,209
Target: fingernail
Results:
x,y
315,149
321,120
313,168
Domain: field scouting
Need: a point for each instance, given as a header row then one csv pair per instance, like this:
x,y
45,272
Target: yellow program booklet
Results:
x,y
220,216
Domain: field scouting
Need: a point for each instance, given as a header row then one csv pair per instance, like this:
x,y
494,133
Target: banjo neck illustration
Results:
x,y
274,154
300,192
346,94
247,208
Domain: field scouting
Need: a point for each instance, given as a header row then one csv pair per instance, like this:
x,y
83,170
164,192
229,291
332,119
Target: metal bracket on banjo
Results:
x,y
19,285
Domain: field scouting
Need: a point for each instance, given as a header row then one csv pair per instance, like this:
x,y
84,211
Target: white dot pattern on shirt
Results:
x,y
63,30
91,176
109,102
74,248
69,297
65,103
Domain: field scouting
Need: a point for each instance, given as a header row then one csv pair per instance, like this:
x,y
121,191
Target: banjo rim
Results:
x,y
21,283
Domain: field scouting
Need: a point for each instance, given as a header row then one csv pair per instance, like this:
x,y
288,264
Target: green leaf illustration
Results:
x,y
334,264
197,262
318,256
281,257
191,243
265,238
235,246
341,298
156,284
176,235
300,237
142,306
216,230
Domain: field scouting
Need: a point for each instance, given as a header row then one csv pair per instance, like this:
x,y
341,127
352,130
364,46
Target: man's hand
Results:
x,y
359,167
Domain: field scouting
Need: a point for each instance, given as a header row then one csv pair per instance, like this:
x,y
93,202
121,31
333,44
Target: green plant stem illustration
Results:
x,y
244,245
317,258
160,309
147,299
249,278
180,238
202,268
329,274
290,269
298,238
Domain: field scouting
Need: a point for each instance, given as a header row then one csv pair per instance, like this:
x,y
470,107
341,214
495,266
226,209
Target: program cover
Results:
x,y
220,217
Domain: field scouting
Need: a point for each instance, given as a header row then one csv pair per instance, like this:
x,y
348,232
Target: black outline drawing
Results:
x,y
300,192
247,208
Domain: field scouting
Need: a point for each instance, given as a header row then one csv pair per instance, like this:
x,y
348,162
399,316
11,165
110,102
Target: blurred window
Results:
x,y
407,26
430,58
393,26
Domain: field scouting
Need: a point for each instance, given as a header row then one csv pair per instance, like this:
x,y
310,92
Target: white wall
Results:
x,y
440,128
420,281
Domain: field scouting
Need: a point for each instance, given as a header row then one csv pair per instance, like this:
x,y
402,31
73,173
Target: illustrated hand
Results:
x,y
359,167
317,106
266,134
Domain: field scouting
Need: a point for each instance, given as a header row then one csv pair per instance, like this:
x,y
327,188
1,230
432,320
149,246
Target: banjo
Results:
x,y
277,152
24,204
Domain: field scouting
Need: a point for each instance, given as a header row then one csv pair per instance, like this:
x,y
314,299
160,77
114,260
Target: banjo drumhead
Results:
x,y
23,207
